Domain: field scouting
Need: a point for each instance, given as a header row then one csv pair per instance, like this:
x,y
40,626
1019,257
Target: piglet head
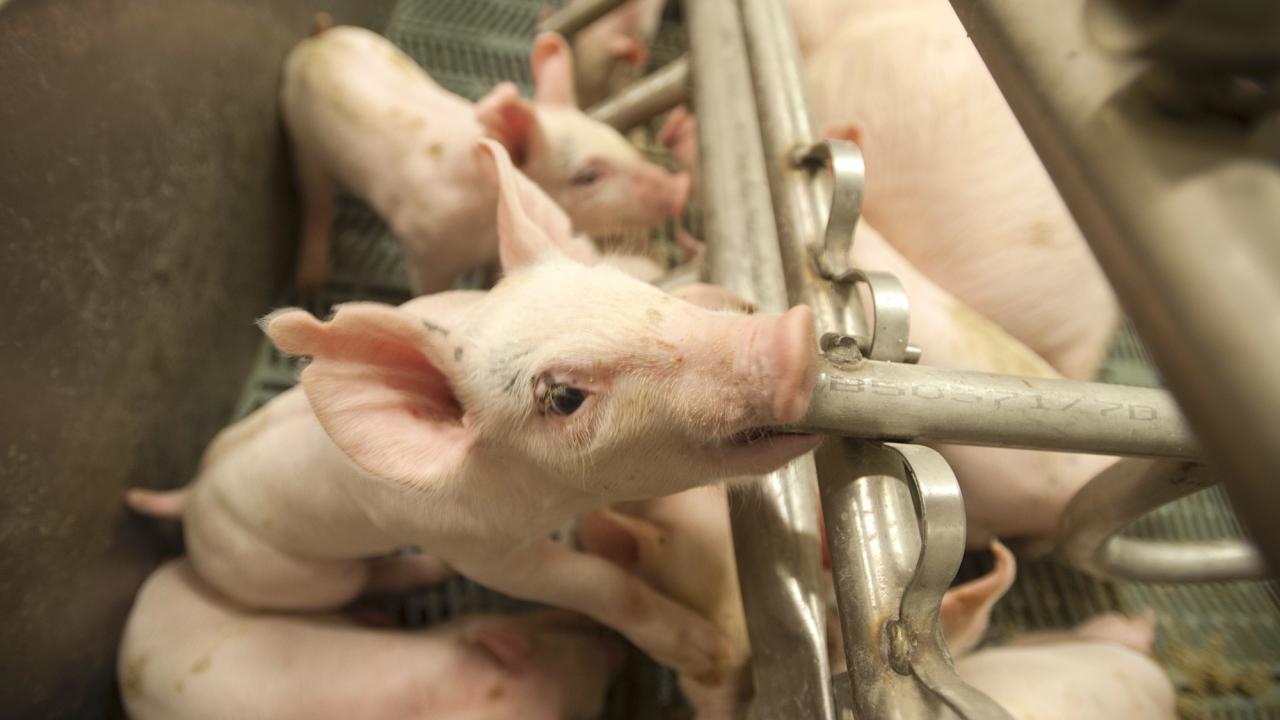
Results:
x,y
575,373
608,51
587,167
613,385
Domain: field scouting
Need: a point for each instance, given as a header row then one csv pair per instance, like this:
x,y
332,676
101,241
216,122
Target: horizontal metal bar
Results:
x,y
891,401
576,15
1182,214
1123,493
646,98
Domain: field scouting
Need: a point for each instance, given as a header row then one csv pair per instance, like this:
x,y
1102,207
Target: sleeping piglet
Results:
x,y
190,654
361,114
471,424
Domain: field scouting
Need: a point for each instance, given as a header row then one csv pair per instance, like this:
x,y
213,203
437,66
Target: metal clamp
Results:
x,y
890,311
848,173
909,660
890,321
916,645
1088,536
890,318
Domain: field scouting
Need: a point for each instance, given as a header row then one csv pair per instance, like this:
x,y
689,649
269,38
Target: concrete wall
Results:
x,y
146,219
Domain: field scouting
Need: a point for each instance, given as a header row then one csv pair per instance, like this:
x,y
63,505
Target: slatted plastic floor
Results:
x,y
1220,642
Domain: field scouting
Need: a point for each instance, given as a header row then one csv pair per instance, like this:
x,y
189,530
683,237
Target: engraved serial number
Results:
x,y
1002,399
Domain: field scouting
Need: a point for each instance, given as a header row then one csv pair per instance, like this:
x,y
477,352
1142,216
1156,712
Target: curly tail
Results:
x,y
165,504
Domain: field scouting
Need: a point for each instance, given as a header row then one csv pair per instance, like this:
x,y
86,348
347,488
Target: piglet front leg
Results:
x,y
550,573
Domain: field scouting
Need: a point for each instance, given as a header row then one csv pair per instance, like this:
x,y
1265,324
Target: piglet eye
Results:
x,y
564,400
585,177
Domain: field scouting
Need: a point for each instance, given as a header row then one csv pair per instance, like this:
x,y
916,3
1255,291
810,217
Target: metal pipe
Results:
x,y
775,524
802,201
875,542
646,98
576,15
1182,216
870,520
893,401
1126,491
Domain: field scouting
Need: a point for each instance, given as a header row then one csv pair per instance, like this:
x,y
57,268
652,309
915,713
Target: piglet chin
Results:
x,y
761,450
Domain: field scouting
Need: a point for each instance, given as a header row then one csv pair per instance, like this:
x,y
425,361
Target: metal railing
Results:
x,y
775,238
1181,205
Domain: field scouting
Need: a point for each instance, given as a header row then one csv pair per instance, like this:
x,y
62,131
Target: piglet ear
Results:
x,y
966,608
628,50
377,384
509,119
531,227
552,66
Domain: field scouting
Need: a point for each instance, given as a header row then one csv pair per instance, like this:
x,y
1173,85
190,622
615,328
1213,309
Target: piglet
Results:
x,y
613,47
190,654
472,424
682,544
812,21
362,115
953,182
1101,669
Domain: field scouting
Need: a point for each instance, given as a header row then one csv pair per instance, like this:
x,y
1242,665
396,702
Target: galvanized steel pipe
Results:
x,y
1090,538
892,401
1182,215
646,98
870,519
774,518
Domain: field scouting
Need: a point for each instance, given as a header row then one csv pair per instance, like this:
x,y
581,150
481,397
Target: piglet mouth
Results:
x,y
761,449
752,436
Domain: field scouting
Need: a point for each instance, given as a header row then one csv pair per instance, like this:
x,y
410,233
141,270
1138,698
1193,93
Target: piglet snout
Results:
x,y
782,351
661,193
